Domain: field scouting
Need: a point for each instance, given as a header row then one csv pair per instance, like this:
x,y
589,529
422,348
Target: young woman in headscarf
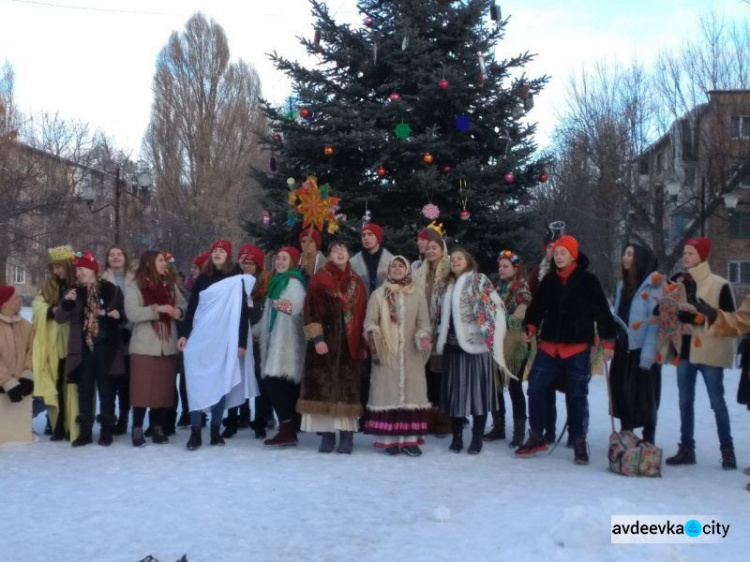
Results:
x,y
51,347
335,307
153,304
635,374
312,259
433,278
282,343
94,309
397,329
514,290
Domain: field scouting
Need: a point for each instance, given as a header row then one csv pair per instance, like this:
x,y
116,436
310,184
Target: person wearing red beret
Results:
x,y
16,378
371,264
312,259
95,311
567,311
702,352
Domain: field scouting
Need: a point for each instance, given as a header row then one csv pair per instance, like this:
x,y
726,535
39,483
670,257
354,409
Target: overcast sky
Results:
x,y
93,60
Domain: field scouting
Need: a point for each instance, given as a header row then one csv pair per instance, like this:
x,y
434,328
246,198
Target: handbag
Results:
x,y
628,455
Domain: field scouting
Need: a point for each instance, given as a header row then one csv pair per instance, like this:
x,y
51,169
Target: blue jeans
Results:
x,y
217,412
544,373
687,373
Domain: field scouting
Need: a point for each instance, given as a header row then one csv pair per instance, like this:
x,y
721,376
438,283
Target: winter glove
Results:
x,y
707,310
27,386
15,394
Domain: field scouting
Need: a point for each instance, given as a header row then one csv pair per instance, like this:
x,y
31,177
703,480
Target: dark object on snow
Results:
x,y
150,558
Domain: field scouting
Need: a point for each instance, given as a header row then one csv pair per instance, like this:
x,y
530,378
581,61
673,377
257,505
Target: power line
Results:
x,y
92,9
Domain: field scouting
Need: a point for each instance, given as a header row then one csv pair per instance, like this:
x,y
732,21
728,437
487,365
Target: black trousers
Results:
x,y
121,385
93,373
517,398
434,382
365,370
283,394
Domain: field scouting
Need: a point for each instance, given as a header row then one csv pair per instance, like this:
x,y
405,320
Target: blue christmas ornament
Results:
x,y
463,123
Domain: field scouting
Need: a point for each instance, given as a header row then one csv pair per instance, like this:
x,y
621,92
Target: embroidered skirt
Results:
x,y
468,386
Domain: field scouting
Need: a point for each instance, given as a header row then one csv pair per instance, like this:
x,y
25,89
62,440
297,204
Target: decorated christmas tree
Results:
x,y
415,115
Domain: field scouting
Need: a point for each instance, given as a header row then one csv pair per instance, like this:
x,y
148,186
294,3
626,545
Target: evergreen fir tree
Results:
x,y
428,64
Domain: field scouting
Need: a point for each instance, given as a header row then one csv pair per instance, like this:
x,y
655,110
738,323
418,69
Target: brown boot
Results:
x,y
442,425
286,437
685,455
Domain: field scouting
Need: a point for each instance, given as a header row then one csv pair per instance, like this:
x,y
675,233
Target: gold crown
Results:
x,y
437,227
60,254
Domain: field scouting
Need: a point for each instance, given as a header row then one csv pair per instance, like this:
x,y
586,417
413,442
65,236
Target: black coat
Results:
x,y
567,313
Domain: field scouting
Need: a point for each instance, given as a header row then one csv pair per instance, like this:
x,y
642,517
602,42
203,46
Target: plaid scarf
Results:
x,y
91,315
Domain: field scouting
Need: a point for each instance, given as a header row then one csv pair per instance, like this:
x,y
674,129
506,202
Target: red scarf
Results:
x,y
159,293
346,286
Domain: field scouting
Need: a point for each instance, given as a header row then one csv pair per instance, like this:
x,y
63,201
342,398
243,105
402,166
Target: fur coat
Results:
x,y
282,350
397,379
478,317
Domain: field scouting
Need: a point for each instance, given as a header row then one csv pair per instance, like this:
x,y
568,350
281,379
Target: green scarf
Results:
x,y
276,287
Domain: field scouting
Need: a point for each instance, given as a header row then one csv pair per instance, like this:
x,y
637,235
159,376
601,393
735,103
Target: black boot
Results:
x,y
108,423
497,433
216,438
48,428
230,424
327,442
457,428
85,438
244,421
534,444
138,439
195,440
580,451
121,427
346,442
58,432
184,421
685,455
158,436
477,432
519,430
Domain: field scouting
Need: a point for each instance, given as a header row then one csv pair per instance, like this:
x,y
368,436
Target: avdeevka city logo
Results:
x,y
693,528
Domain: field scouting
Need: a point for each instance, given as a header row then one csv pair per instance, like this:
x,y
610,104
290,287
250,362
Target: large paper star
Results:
x,y
313,206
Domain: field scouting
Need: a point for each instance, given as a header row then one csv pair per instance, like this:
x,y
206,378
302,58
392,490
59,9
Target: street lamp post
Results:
x,y
142,180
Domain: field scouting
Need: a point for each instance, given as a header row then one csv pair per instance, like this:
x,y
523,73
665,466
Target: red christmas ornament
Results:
x,y
395,96
446,169
381,172
277,137
444,84
328,150
428,158
304,113
543,178
509,177
465,215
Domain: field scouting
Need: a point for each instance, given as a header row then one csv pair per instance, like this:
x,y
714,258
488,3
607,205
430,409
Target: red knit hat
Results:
x,y
6,291
225,245
312,232
423,235
569,243
375,229
702,246
86,260
200,261
253,253
293,252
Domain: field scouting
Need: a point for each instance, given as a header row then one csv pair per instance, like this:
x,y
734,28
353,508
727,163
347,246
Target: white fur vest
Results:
x,y
282,350
475,335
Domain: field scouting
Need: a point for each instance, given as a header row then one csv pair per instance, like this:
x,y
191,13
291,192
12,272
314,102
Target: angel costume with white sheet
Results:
x,y
212,367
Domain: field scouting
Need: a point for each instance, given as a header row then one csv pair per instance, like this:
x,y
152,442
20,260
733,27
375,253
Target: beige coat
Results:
x,y
16,335
399,382
144,340
712,351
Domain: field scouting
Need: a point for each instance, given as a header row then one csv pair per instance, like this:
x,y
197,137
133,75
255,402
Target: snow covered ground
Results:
x,y
244,502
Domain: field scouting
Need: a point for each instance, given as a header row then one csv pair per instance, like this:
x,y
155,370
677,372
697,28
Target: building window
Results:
x,y
19,275
739,224
739,127
739,272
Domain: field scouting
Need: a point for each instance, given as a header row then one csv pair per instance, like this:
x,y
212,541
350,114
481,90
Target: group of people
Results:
x,y
334,344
